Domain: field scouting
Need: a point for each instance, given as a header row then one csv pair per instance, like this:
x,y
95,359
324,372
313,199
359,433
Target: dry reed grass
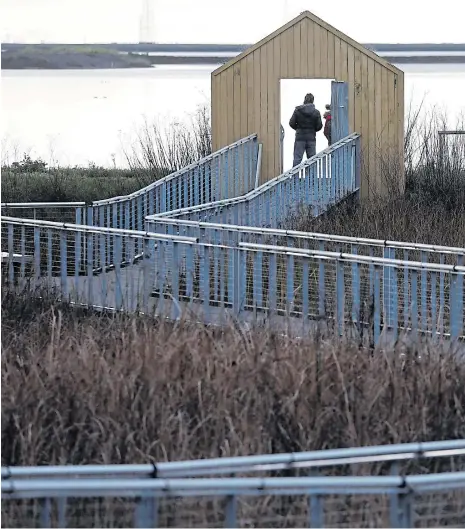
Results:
x,y
91,388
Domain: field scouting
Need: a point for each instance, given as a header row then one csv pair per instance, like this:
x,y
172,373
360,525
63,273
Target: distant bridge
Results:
x,y
164,53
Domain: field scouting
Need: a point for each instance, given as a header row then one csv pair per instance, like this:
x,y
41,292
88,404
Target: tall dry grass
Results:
x,y
432,208
171,148
83,387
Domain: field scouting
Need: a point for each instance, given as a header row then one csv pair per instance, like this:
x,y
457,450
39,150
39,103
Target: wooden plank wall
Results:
x,y
246,97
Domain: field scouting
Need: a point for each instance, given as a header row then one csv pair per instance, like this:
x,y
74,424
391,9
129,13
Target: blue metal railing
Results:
x,y
73,212
251,271
229,172
230,235
393,454
290,287
319,182
61,495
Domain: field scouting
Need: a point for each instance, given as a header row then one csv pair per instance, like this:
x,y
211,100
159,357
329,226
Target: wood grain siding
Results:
x,y
246,93
401,127
370,142
304,63
331,57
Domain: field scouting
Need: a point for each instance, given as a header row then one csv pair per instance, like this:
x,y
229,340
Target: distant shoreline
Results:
x,y
69,58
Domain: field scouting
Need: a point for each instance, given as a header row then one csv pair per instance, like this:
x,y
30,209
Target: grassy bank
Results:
x,y
157,151
72,184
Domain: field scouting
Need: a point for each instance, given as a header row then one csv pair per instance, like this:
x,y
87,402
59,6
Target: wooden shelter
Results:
x,y
246,95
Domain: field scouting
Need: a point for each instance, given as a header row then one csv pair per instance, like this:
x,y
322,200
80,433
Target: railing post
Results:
x,y
146,275
11,269
78,242
316,510
340,297
231,512
405,517
89,248
175,272
63,264
146,512
61,508
456,302
388,253
46,512
377,307
118,258
37,254
321,284
358,167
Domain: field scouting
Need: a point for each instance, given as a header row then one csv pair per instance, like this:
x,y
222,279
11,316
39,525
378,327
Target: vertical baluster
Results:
x,y
118,242
272,283
321,284
340,303
305,291
90,267
11,270
36,253
377,306
77,246
406,291
395,304
205,283
442,302
175,271
355,288
414,303
63,264
424,294
434,314
190,272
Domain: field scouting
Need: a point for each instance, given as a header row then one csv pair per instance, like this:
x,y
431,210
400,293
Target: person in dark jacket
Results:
x,y
306,121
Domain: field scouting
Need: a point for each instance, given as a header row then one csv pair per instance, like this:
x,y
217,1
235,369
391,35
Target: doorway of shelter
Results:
x,y
292,94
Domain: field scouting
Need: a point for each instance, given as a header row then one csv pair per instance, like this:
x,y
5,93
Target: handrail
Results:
x,y
264,187
84,228
226,486
255,463
310,235
172,176
354,258
41,204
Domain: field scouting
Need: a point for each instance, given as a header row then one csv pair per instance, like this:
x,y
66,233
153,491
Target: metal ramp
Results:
x,y
232,259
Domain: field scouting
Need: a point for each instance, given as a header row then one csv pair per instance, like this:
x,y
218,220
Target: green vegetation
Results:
x,y
157,152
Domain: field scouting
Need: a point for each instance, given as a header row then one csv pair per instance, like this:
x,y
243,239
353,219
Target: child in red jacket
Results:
x,y
327,129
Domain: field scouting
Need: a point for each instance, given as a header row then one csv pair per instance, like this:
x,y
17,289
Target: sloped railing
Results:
x,y
318,183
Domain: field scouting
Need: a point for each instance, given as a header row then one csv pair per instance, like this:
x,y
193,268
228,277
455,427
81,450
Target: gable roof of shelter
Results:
x,y
308,15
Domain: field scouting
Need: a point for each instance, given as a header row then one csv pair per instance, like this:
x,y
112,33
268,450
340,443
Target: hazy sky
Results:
x,y
241,21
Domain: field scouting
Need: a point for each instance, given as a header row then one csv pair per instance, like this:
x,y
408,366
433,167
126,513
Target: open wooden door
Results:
x,y
339,110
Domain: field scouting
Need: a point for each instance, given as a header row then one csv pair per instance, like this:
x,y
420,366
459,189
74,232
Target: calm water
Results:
x,y
75,117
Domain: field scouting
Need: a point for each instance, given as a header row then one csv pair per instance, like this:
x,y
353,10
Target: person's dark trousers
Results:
x,y
301,146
